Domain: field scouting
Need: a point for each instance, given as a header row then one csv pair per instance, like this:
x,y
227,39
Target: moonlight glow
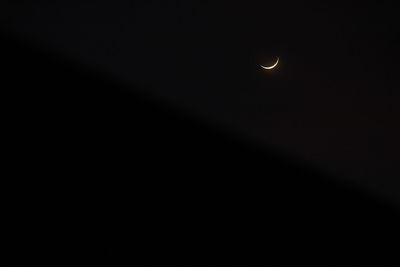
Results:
x,y
270,67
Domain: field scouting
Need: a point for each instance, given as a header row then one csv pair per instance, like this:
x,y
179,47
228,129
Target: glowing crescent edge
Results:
x,y
271,67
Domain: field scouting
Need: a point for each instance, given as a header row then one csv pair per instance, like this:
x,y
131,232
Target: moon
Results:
x,y
271,67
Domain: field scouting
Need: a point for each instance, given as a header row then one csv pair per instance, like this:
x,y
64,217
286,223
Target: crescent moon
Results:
x,y
270,67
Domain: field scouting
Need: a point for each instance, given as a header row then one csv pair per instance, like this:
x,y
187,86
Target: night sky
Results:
x,y
332,101
331,105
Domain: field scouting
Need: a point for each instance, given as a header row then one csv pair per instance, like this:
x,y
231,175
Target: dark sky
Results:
x,y
145,133
332,101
